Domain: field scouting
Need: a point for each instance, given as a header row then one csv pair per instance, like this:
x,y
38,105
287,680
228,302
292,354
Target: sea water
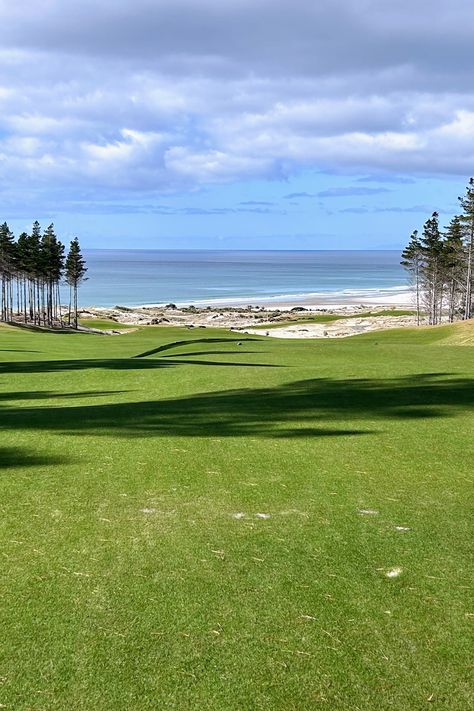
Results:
x,y
139,277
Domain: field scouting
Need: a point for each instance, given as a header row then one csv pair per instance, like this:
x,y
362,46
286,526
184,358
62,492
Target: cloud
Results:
x,y
398,179
225,211
355,210
351,192
425,209
256,202
303,38
146,97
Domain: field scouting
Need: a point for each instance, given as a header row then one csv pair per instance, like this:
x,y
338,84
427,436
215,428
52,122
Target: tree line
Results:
x,y
32,269
440,263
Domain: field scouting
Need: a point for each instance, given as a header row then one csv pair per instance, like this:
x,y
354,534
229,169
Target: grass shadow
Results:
x,y
205,353
177,344
18,458
55,366
308,408
48,394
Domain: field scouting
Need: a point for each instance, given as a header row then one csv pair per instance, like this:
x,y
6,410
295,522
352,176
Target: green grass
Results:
x,y
330,318
103,324
127,582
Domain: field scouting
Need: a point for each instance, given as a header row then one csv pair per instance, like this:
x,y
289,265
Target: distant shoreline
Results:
x,y
217,279
400,300
394,297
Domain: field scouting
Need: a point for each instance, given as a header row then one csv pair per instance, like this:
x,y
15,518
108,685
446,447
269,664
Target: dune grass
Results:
x,y
330,318
190,523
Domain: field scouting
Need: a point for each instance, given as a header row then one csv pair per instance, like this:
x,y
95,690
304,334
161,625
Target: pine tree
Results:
x,y
7,248
75,274
432,272
31,270
34,270
467,221
454,263
412,261
21,262
52,265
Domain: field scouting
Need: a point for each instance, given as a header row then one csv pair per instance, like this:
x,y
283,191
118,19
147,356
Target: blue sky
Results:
x,y
236,124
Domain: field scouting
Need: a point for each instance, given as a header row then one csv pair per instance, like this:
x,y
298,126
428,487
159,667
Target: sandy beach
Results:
x,y
351,316
398,297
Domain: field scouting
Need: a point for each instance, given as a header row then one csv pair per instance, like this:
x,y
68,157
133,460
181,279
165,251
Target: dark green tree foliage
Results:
x,y
412,260
454,265
31,271
7,270
433,255
51,267
467,221
441,264
75,274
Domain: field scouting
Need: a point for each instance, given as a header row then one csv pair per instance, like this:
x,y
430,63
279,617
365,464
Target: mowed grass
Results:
x,y
194,519
103,324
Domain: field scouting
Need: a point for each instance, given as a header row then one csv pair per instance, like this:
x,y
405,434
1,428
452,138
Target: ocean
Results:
x,y
139,277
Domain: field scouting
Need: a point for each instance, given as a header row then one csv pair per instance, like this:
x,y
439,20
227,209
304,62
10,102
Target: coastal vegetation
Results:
x,y
31,271
441,264
202,519
331,317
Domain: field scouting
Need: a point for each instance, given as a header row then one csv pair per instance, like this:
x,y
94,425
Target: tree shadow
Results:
x,y
205,353
308,408
63,330
138,362
192,341
48,394
18,457
56,366
232,363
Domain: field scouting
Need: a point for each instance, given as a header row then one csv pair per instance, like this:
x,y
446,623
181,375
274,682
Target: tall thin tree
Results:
x,y
432,251
75,274
467,220
412,261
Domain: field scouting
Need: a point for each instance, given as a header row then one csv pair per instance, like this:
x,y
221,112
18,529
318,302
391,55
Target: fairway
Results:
x,y
197,519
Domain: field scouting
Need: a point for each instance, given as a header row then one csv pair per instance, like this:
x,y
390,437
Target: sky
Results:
x,y
227,124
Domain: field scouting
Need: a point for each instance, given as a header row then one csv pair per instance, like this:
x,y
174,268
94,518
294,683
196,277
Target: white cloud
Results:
x,y
213,165
176,94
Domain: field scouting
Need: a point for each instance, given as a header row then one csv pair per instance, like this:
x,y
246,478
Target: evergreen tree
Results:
x,y
454,263
21,257
7,248
31,270
31,258
51,266
412,261
432,273
467,220
75,274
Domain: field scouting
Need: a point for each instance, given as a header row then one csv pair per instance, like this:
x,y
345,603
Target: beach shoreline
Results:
x,y
394,297
305,317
